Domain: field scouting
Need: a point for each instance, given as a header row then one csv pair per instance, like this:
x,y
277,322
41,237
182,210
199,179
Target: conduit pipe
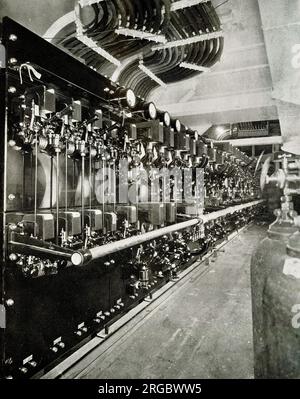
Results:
x,y
81,258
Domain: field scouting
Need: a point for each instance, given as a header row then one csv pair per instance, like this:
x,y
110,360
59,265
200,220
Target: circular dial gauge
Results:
x,y
178,125
130,98
152,110
167,119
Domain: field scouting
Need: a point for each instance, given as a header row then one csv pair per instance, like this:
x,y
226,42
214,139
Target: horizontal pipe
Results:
x,y
223,212
80,258
254,141
34,250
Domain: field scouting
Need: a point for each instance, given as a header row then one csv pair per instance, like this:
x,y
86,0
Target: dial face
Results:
x,y
167,119
131,98
178,125
152,111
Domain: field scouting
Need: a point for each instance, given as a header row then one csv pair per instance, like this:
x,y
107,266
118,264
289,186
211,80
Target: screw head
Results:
x,y
12,226
12,143
13,257
12,61
10,302
12,89
54,349
23,370
13,37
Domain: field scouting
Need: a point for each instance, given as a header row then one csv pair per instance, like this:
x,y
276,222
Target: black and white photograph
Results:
x,y
150,193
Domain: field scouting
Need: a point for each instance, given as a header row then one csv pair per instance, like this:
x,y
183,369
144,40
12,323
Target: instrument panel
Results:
x,y
105,199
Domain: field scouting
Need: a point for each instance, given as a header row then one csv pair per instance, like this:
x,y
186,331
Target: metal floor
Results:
x,y
202,330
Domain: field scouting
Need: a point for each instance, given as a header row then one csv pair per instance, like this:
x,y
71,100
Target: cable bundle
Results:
x,y
144,22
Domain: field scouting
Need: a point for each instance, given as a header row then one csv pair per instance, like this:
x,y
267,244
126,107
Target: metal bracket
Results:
x,y
139,34
179,5
194,67
151,75
195,39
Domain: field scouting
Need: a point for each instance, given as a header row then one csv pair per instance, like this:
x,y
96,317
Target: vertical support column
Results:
x,y
3,155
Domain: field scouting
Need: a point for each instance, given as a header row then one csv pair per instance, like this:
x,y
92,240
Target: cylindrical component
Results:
x,y
187,143
193,144
176,124
144,276
215,215
281,314
125,96
150,111
267,259
81,258
165,118
82,192
57,196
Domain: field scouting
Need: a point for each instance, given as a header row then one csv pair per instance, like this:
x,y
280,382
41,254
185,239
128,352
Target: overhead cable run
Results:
x,y
179,5
116,33
93,45
90,43
151,75
190,40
